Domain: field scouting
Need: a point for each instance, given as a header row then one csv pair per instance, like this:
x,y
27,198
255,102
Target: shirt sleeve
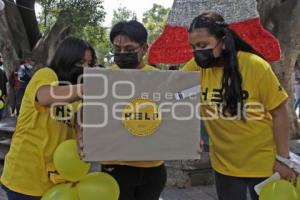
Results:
x,y
42,77
271,93
190,66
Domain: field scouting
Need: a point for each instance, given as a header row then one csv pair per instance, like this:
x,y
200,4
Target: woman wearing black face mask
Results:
x,y
206,58
46,119
240,88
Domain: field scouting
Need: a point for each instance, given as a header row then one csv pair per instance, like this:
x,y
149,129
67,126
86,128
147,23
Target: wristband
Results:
x,y
286,161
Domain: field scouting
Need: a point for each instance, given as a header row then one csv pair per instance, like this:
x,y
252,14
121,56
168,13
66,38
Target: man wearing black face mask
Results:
x,y
142,180
129,40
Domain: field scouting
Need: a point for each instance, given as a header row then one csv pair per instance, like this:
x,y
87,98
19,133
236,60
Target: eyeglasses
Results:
x,y
125,50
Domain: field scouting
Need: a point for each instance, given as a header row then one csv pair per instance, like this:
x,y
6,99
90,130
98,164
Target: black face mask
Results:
x,y
205,58
127,60
72,76
1,63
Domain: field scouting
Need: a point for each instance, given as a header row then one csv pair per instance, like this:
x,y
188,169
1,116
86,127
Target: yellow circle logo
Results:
x,y
141,117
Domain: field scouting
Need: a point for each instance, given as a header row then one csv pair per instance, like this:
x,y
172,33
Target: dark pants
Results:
x,y
1,113
138,183
19,97
17,196
235,188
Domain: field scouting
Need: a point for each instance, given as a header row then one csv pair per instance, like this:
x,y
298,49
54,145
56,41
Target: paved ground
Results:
x,y
195,193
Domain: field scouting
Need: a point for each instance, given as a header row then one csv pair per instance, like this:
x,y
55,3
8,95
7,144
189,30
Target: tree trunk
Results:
x,y
45,48
282,18
11,48
27,12
20,37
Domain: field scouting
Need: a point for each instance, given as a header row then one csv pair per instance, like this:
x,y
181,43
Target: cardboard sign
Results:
x,y
137,115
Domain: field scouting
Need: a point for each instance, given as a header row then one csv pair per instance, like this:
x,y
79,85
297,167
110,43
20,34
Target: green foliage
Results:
x,y
85,18
49,15
155,20
121,14
98,38
77,13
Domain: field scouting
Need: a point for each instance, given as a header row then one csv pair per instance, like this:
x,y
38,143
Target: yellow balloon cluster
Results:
x,y
68,163
82,186
98,186
61,191
280,190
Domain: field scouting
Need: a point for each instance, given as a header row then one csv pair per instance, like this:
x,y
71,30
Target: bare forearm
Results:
x,y
281,124
48,95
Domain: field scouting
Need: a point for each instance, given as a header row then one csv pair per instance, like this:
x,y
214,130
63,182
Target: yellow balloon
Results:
x,y
1,104
298,186
279,190
96,186
68,163
62,191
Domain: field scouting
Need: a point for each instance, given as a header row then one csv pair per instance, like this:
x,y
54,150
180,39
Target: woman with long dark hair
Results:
x,y
244,108
46,119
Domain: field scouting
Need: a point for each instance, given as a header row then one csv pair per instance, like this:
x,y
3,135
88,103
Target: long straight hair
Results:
x,y
68,59
232,92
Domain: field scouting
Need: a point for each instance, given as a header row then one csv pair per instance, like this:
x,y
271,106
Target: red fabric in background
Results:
x,y
260,39
172,46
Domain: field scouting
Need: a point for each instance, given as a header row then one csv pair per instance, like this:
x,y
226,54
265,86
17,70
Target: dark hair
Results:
x,y
22,62
67,59
25,60
94,56
132,29
232,80
174,67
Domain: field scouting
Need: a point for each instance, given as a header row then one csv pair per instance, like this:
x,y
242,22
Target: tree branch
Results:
x,y
46,46
29,20
18,36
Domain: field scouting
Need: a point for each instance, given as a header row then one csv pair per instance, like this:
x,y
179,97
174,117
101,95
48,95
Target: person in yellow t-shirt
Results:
x,y
28,169
243,107
137,180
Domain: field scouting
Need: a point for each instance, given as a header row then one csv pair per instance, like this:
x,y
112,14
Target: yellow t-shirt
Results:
x,y
139,163
238,148
29,163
